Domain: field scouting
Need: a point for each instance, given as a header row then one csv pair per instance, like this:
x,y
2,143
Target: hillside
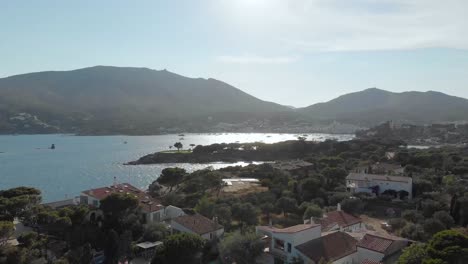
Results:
x,y
373,106
108,100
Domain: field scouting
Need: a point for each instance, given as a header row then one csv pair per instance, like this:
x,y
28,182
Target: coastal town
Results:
x,y
352,202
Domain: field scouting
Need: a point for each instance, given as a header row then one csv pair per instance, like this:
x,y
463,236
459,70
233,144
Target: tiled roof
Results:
x,y
197,223
330,247
339,218
370,177
385,245
147,203
291,229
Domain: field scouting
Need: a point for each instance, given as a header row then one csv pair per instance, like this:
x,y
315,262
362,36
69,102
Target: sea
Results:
x,y
82,162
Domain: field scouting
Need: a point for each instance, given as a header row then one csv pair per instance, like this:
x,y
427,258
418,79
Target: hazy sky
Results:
x,y
295,52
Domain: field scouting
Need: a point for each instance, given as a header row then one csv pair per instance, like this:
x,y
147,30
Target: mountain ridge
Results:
x,y
138,100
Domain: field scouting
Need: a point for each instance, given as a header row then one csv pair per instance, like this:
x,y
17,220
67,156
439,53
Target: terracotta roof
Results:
x,y
385,245
331,247
369,177
147,203
339,218
291,229
197,223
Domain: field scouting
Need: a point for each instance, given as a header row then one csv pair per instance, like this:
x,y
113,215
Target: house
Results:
x,y
337,247
151,209
281,242
340,221
380,249
378,183
295,168
197,224
382,167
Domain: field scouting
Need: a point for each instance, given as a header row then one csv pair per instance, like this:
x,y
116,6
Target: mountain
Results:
x,y
108,100
373,106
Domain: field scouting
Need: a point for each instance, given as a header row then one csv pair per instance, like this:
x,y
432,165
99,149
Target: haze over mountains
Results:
x,y
118,100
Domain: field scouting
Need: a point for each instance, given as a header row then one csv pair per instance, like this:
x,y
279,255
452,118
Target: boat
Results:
x,y
52,146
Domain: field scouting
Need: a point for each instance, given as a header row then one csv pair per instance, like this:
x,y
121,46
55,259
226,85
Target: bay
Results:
x,y
83,162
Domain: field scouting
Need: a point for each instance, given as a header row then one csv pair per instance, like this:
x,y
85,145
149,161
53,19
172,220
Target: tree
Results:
x,y
245,213
445,218
178,146
241,249
155,189
118,203
183,248
312,211
352,205
432,226
6,231
205,207
414,254
334,176
287,205
171,177
155,232
224,215
450,246
111,248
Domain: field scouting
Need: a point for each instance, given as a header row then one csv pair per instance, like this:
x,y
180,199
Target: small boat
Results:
x,y
181,138
181,135
53,146
125,142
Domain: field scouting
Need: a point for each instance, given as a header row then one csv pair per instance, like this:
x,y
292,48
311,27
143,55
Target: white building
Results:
x,y
151,209
377,183
197,224
282,242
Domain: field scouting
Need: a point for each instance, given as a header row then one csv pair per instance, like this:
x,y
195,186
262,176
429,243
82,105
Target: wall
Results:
x,y
364,253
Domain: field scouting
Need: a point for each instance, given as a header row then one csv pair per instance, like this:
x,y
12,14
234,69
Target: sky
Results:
x,y
296,52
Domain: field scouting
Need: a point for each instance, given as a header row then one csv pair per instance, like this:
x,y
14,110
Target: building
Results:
x,y
378,183
197,224
151,209
281,242
380,249
337,247
340,221
294,168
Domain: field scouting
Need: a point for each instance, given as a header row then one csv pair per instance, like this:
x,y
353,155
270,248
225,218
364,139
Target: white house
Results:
x,y
281,242
197,224
378,183
340,221
151,209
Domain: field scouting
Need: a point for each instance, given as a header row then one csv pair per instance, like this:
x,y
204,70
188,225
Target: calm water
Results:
x,y
82,162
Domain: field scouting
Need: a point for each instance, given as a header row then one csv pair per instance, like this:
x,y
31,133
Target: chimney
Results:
x,y
115,182
215,219
312,221
338,207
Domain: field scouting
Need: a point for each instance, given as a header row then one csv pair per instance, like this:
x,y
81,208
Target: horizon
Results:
x,y
292,53
294,107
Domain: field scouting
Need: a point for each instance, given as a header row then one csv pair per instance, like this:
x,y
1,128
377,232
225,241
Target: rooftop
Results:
x,y
198,223
291,165
385,245
291,229
330,247
339,218
380,177
147,203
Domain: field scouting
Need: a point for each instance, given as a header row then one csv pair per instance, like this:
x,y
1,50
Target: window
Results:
x,y
289,247
211,235
95,203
